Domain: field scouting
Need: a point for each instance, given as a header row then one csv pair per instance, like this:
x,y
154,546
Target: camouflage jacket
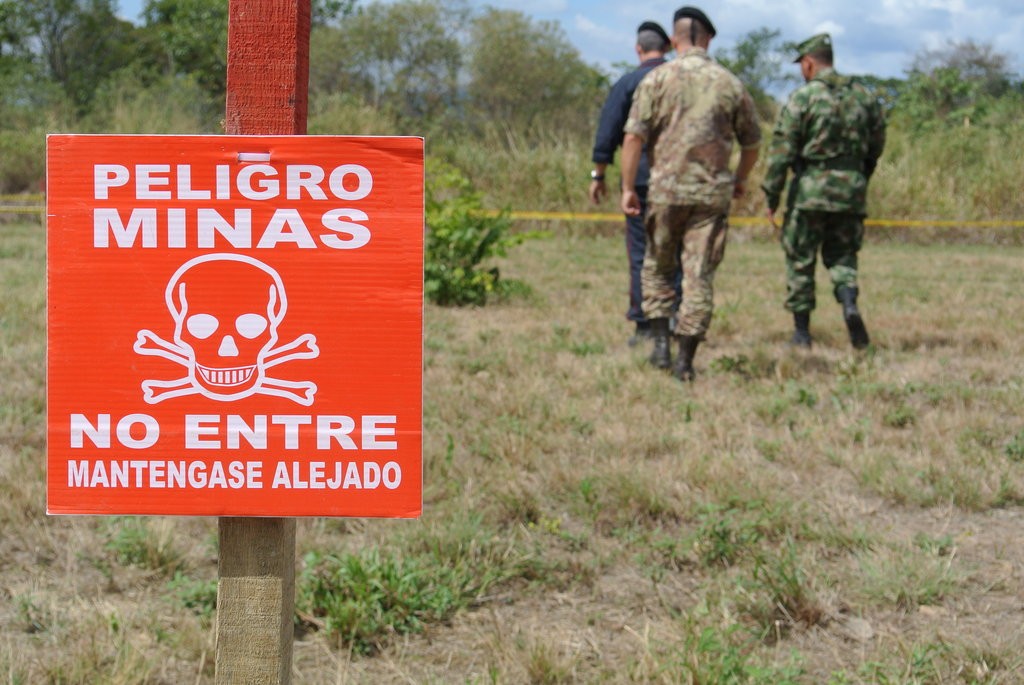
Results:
x,y
688,112
830,133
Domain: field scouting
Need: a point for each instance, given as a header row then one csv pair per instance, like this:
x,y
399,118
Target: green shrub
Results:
x,y
725,533
200,596
714,656
173,104
366,598
1014,450
23,159
460,238
137,542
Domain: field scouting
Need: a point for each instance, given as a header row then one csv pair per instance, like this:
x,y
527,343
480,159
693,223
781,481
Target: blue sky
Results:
x,y
877,37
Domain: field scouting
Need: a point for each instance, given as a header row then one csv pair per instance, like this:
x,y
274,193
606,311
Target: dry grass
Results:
x,y
827,517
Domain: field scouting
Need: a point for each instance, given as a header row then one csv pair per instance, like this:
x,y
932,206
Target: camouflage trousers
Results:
x,y
838,235
691,237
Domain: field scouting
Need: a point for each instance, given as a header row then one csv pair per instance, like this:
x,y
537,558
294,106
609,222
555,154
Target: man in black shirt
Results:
x,y
651,45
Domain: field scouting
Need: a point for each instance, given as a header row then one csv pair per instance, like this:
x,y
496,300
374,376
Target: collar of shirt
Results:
x,y
653,62
693,52
824,73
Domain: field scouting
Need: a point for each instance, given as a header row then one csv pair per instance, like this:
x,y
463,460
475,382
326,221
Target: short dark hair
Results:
x,y
822,55
649,41
697,30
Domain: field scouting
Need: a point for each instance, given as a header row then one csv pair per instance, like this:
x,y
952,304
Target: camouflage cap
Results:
x,y
817,42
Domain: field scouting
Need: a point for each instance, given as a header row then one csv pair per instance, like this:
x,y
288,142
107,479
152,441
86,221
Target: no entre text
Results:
x,y
233,432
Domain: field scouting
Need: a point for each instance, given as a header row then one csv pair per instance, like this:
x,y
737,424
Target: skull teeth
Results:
x,y
227,377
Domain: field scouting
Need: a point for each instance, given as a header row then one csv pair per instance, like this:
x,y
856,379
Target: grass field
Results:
x,y
821,517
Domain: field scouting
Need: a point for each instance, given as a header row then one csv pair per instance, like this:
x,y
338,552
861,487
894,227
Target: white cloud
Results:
x,y
602,34
830,27
532,6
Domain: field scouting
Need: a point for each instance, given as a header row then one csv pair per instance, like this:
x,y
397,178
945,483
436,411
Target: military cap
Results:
x,y
694,13
821,41
655,27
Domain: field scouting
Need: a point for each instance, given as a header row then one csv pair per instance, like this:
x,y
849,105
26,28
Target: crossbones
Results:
x,y
302,392
226,309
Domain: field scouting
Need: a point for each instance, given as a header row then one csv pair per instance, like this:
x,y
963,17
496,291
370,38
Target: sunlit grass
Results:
x,y
607,523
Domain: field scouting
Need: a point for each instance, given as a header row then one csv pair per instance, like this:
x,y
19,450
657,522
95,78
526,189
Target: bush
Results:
x,y
461,236
367,598
173,104
23,158
199,596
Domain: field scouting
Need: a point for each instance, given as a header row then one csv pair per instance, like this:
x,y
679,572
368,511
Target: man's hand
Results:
x,y
630,203
598,191
739,188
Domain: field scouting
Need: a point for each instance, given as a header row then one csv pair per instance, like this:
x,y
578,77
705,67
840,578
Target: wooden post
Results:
x,y
255,601
267,93
268,67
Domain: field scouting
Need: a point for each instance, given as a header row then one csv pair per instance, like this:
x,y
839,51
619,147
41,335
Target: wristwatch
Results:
x,y
595,175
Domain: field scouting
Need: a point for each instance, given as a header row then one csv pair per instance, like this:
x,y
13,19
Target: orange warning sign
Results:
x,y
234,325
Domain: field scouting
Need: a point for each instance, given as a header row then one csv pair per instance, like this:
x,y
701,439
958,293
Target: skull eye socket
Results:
x,y
250,325
202,325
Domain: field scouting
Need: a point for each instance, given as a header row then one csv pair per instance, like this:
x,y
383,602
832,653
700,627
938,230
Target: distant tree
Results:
x,y
75,44
191,38
525,74
18,63
759,61
958,83
887,90
96,46
403,56
328,11
976,63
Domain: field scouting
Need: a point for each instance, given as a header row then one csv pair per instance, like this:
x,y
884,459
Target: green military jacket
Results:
x,y
688,112
830,133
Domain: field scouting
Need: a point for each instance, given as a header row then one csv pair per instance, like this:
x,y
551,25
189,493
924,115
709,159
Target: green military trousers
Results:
x,y
838,234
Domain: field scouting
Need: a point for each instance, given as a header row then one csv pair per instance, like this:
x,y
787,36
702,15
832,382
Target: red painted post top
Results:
x,y
268,67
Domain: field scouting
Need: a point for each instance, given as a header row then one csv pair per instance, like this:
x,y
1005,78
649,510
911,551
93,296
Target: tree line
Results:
x,y
435,67
418,61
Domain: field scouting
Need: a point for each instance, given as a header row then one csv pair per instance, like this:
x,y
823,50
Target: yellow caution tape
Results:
x,y
759,221
38,197
20,210
617,218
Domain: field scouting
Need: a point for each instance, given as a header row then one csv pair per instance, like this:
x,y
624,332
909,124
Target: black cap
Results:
x,y
694,13
655,27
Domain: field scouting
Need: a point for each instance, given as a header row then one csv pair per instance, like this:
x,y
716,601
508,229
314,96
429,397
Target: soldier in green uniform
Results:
x,y
830,133
688,112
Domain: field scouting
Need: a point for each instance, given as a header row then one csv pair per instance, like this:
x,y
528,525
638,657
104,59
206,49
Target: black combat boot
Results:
x,y
643,332
851,315
683,370
801,329
661,355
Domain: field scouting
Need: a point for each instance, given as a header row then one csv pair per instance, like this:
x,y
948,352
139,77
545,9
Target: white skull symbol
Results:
x,y
226,310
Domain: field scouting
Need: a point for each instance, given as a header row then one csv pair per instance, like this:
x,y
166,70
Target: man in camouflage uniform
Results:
x,y
687,112
830,133
651,45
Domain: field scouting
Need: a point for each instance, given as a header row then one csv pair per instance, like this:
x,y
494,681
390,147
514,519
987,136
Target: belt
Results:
x,y
836,163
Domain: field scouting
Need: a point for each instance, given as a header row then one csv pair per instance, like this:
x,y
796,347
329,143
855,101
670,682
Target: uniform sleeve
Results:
x,y
748,131
784,151
609,127
876,137
639,120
